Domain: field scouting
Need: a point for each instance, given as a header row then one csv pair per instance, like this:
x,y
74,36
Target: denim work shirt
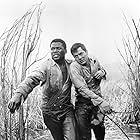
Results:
x,y
56,95
87,86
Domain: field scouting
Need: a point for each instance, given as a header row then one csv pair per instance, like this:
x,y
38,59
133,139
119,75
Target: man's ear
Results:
x,y
65,51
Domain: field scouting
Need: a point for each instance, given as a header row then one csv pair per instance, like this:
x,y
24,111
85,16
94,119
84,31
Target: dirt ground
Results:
x,y
115,134
118,135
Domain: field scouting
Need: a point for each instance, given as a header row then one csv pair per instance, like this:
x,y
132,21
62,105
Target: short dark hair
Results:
x,y
76,46
59,40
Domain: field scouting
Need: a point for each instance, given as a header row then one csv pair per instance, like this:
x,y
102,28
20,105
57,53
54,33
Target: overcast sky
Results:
x,y
96,23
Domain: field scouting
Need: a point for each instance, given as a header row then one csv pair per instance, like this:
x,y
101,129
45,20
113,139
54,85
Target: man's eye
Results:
x,y
52,48
58,48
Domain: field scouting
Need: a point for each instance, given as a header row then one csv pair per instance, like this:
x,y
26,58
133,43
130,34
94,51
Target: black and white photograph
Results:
x,y
70,70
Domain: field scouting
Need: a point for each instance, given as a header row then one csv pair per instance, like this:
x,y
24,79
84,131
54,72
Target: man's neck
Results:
x,y
87,64
60,62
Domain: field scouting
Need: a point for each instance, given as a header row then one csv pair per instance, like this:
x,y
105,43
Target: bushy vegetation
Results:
x,y
18,44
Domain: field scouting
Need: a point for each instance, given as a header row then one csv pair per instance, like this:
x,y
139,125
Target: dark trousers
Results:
x,y
62,128
84,114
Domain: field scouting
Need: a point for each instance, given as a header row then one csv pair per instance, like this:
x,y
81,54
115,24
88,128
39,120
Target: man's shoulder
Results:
x,y
46,64
93,59
69,61
75,64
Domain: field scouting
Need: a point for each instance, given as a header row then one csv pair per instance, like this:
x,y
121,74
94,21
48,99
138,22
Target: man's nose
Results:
x,y
55,50
79,56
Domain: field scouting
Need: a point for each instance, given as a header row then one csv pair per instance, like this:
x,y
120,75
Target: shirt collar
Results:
x,y
67,62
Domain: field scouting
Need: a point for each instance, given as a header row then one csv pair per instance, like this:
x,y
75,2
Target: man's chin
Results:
x,y
82,63
55,58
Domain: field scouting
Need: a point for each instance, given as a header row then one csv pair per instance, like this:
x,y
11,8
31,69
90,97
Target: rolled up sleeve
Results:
x,y
31,81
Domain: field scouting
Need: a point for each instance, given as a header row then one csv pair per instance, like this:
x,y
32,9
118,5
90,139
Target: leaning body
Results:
x,y
86,75
88,115
54,78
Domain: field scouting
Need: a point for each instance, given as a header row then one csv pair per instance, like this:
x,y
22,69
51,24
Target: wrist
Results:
x,y
97,102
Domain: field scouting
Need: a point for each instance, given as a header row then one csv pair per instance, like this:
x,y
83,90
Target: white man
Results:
x,y
90,107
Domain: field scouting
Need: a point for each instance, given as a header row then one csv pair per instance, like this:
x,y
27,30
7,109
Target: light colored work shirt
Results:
x,y
84,81
56,94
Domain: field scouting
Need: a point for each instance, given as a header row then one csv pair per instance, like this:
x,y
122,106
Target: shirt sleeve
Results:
x,y
31,81
80,83
101,68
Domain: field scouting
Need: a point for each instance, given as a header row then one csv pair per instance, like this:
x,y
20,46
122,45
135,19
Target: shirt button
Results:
x,y
60,106
54,105
58,97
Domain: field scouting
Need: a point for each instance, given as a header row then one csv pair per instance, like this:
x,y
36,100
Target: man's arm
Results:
x,y
83,89
80,83
26,86
29,83
101,73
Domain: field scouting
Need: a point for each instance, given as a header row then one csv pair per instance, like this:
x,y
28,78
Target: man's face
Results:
x,y
57,51
81,56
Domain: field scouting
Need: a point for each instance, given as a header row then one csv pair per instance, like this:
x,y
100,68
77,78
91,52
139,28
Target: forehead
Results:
x,y
57,44
78,51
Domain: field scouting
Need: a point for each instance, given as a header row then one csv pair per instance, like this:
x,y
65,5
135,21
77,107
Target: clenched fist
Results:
x,y
99,74
105,108
15,102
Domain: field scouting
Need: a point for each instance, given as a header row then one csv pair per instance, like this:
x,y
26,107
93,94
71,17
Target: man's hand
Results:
x,y
15,102
105,108
99,74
